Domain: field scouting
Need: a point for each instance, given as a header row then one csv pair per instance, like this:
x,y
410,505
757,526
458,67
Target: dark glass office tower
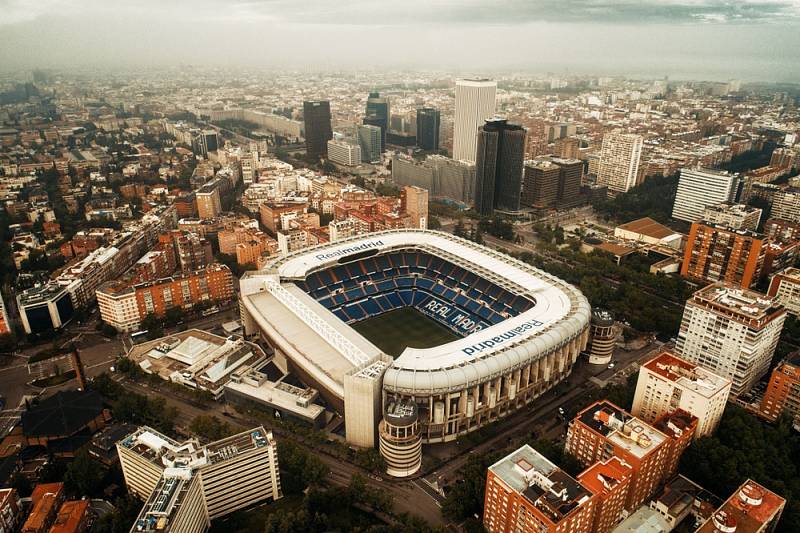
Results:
x,y
378,114
498,166
428,128
317,117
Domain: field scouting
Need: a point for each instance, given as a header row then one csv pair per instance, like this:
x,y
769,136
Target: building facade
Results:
x,y
699,188
783,392
369,139
525,492
475,103
318,131
784,286
428,123
731,332
718,253
619,161
499,167
667,382
344,153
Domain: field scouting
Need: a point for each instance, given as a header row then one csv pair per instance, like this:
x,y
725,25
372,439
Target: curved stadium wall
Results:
x,y
519,329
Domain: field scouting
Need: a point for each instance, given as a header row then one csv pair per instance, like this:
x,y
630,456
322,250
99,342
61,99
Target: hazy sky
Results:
x,y
705,39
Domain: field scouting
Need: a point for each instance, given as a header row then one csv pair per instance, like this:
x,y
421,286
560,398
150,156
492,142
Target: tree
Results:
x,y
21,483
299,469
153,325
83,476
466,498
745,447
434,223
210,427
120,519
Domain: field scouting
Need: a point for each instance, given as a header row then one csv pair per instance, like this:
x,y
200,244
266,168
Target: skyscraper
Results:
x,y
369,138
317,116
207,141
699,188
619,161
378,113
428,128
499,166
474,104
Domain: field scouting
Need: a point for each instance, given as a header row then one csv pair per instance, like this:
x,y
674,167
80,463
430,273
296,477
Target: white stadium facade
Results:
x,y
519,331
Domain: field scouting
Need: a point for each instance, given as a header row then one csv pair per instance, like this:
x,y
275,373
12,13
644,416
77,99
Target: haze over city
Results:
x,y
443,266
698,39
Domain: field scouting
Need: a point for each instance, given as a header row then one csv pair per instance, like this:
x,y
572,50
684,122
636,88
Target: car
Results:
x,y
561,410
611,365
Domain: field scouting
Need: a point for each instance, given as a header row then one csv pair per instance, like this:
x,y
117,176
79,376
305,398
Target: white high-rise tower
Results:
x,y
619,161
475,101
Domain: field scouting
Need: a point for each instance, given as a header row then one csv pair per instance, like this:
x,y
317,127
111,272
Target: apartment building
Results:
x,y
679,427
609,481
719,253
783,391
186,485
5,325
786,204
414,202
124,306
209,202
785,288
620,155
10,510
253,250
699,188
603,430
751,509
527,492
46,500
732,332
271,213
734,216
667,382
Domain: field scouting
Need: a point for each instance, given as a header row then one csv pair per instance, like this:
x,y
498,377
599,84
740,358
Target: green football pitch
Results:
x,y
396,330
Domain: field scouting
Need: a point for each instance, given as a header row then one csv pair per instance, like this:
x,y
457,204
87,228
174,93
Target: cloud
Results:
x,y
482,12
416,12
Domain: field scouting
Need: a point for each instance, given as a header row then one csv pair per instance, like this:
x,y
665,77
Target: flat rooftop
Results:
x,y
165,501
195,355
686,374
295,400
621,428
747,510
548,488
604,476
643,520
170,454
740,303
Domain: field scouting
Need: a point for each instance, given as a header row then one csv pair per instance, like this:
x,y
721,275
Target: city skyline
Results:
x,y
584,36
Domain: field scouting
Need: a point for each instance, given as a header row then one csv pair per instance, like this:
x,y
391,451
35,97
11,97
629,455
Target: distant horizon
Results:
x,y
22,74
703,40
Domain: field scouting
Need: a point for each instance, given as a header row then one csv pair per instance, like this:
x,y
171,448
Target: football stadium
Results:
x,y
459,334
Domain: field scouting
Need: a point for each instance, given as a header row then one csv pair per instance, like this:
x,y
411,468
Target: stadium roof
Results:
x,y
560,314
